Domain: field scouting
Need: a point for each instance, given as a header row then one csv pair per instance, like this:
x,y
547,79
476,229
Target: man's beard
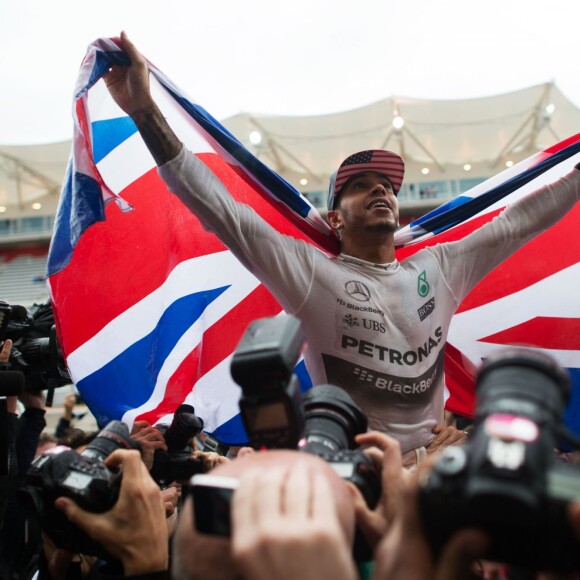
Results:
x,y
382,226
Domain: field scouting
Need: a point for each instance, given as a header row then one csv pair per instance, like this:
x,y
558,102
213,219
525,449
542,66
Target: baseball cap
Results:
x,y
385,162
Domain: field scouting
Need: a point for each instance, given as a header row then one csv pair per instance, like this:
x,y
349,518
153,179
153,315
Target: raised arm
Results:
x,y
467,261
129,87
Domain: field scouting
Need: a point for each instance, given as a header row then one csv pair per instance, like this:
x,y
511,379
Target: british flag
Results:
x,y
150,307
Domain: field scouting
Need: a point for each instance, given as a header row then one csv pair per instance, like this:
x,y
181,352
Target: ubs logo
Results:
x,y
358,291
350,321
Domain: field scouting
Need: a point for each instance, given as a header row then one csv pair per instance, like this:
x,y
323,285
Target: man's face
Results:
x,y
368,202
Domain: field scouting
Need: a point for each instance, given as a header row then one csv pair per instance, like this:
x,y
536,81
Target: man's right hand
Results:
x,y
129,88
129,85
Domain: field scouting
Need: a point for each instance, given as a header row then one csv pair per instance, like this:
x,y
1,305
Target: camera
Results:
x,y
506,480
176,463
324,421
35,351
81,476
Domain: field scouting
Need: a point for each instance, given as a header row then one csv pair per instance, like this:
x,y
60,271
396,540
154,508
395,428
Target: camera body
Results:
x,y
506,480
324,421
176,463
263,366
81,476
35,351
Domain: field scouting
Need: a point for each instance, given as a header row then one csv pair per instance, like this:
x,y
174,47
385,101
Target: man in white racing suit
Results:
x,y
375,326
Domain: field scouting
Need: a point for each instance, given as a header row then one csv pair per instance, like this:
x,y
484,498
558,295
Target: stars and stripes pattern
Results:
x,y
386,162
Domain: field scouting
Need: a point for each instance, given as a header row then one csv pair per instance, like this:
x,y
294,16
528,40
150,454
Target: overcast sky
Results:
x,y
286,57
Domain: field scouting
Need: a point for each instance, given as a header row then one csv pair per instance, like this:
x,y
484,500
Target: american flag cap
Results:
x,y
386,162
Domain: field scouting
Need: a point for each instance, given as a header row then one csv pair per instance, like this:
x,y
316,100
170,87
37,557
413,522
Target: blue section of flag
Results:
x,y
303,376
455,202
80,206
136,364
109,134
231,432
572,413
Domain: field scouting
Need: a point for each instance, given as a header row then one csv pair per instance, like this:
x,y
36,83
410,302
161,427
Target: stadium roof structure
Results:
x,y
442,135
30,174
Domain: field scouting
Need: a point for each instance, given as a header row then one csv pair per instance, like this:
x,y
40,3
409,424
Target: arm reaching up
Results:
x,y
129,87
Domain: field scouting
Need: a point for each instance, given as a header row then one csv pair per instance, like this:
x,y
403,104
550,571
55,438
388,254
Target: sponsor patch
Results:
x,y
382,386
358,291
426,309
422,284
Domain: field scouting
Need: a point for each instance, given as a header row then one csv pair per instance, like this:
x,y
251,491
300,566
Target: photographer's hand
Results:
x,y
210,459
386,453
5,351
150,439
171,496
404,552
33,399
134,530
286,526
58,560
11,402
68,406
574,518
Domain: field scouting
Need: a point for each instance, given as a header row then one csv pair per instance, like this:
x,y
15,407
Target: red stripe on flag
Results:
x,y
541,332
460,381
544,256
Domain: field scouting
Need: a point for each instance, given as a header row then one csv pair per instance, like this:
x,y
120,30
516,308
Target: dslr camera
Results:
x,y
84,477
507,480
35,351
176,463
324,421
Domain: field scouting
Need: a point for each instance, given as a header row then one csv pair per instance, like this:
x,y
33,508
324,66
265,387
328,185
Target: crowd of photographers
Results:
x,y
168,501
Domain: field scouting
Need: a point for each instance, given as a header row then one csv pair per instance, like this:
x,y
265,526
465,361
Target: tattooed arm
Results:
x,y
129,87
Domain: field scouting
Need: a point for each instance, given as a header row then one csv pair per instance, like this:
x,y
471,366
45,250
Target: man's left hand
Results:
x,y
445,437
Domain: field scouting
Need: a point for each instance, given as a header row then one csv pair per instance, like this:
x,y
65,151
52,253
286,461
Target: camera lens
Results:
x,y
114,436
526,376
183,428
332,420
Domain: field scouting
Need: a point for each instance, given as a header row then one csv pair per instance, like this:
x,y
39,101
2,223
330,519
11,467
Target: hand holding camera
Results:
x,y
404,551
284,518
175,461
506,479
386,454
134,530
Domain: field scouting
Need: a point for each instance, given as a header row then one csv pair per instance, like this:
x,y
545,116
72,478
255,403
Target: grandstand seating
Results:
x,y
22,276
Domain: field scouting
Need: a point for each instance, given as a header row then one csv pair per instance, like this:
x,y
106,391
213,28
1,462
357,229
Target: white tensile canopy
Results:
x,y
441,135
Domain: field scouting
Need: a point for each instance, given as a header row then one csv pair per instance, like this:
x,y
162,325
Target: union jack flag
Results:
x,y
150,307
